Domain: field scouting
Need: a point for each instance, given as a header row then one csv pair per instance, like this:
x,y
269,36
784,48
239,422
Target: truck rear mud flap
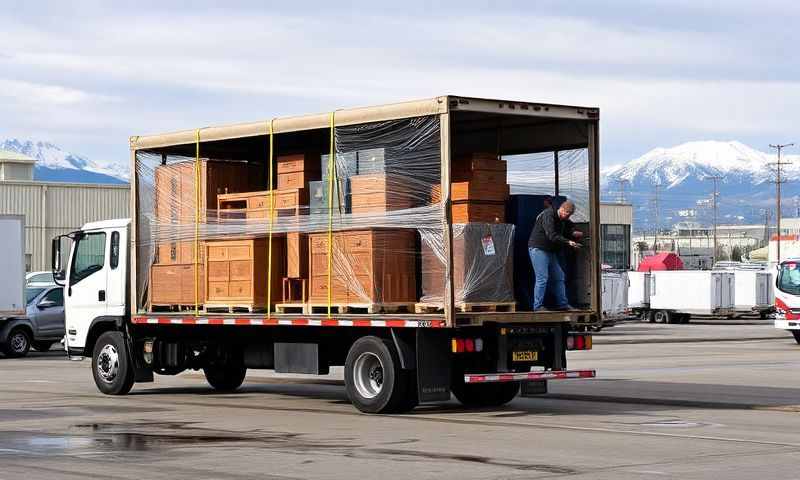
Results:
x,y
528,376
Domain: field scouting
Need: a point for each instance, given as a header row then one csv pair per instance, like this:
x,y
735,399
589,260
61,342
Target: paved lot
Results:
x,y
659,409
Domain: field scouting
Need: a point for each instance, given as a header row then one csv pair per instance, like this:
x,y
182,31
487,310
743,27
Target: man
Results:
x,y
551,234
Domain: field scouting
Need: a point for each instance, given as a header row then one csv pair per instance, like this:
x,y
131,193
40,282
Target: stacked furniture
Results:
x,y
478,189
482,243
295,174
173,274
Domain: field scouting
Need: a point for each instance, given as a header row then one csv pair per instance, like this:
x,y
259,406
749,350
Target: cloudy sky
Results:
x,y
87,76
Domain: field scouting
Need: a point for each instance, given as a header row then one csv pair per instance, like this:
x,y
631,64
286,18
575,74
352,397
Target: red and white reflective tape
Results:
x,y
516,377
297,322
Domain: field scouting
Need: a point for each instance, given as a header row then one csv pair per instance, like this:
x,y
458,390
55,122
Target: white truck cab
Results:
x,y
787,297
95,281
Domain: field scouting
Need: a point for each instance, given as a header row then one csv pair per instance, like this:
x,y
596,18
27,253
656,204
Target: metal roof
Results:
x,y
9,156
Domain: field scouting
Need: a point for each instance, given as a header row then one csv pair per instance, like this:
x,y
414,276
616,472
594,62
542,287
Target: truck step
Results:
x,y
468,307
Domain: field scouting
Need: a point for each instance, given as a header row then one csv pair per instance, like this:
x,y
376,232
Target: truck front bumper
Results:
x,y
528,376
783,324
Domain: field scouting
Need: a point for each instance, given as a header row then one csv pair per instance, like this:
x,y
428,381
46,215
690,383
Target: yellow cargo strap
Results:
x,y
331,173
271,200
197,197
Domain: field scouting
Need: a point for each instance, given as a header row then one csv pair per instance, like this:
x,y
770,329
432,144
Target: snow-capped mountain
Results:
x,y
55,164
683,174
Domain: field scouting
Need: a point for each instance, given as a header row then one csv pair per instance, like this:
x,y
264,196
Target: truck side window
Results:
x,y
114,260
90,255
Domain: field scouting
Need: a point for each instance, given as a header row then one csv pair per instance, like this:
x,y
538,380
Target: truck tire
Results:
x,y
651,316
111,364
374,380
663,316
225,378
18,343
484,394
796,334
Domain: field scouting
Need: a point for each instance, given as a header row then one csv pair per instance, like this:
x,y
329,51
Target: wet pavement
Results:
x,y
657,410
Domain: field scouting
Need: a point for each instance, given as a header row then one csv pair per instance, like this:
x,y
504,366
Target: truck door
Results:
x,y
86,285
116,282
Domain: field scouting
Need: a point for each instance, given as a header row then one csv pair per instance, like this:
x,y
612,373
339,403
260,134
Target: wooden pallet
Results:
x,y
241,308
468,307
291,308
356,308
174,307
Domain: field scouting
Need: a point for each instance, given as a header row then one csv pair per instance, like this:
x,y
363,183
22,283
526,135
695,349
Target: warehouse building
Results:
x,y
615,235
52,208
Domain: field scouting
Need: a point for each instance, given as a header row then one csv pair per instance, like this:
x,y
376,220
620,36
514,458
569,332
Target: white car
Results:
x,y
39,279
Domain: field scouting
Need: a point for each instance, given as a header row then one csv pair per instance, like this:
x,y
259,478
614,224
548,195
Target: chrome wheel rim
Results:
x,y
108,363
368,375
19,342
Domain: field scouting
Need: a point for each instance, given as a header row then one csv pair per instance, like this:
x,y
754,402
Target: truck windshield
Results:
x,y
789,278
31,294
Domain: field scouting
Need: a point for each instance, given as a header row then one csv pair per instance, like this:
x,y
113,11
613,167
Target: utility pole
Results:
x,y
715,178
778,182
621,191
654,201
766,227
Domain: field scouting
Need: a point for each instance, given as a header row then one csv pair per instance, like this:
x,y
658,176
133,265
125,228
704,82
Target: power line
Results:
x,y
778,181
621,183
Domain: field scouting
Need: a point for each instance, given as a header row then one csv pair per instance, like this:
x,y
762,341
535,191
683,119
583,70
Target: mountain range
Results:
x,y
53,164
678,183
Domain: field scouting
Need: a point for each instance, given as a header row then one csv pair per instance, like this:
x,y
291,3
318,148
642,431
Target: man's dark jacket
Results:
x,y
550,233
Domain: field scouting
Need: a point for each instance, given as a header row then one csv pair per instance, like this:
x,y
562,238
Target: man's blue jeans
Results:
x,y
548,274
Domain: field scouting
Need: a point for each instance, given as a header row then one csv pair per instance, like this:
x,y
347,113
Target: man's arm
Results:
x,y
549,226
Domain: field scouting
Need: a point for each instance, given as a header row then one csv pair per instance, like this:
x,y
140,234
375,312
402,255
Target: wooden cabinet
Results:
x,y
373,266
236,272
173,286
296,255
244,205
381,193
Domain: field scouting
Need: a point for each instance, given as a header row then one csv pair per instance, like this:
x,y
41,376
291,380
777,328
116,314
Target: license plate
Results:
x,y
526,356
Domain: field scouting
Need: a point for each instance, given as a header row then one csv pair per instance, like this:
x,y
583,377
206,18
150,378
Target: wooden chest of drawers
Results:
x,y
173,285
380,193
236,272
244,205
477,211
296,255
369,266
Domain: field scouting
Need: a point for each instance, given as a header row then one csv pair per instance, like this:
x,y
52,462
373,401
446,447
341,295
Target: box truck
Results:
x,y
371,238
677,295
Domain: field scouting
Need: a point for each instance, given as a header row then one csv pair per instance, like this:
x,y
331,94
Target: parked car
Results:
x,y
39,279
39,328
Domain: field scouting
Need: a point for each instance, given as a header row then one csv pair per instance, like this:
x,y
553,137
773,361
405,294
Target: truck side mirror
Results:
x,y
55,260
46,304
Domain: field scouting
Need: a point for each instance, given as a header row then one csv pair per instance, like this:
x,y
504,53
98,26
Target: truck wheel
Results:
x,y
111,364
374,381
18,343
796,334
42,346
225,378
484,394
663,316
651,316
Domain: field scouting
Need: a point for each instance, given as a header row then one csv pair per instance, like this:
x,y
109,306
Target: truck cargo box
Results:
x,y
692,291
752,290
638,290
615,294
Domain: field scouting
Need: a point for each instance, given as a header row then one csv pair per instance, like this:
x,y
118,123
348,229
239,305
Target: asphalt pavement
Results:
x,y
706,401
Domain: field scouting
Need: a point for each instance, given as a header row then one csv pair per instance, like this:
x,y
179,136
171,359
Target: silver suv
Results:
x,y
42,325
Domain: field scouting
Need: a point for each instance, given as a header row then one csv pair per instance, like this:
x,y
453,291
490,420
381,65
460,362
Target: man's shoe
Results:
x,y
565,308
543,309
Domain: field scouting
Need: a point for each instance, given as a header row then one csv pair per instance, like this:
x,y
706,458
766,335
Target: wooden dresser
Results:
x,y
375,266
236,273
